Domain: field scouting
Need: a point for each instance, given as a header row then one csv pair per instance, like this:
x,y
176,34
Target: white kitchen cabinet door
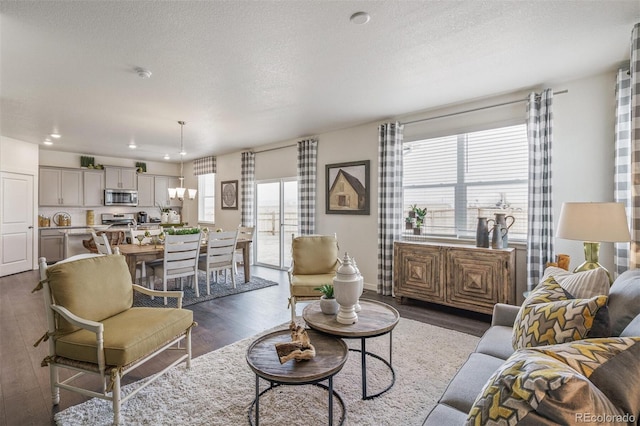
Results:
x,y
93,187
146,191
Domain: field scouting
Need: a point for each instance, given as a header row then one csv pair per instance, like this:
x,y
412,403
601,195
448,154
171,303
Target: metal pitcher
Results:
x,y
501,219
498,232
482,232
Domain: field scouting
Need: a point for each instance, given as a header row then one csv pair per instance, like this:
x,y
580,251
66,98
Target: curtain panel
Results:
x,y
540,226
203,166
622,169
389,201
307,177
247,185
634,129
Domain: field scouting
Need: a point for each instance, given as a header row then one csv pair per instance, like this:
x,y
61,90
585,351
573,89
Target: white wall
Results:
x,y
582,162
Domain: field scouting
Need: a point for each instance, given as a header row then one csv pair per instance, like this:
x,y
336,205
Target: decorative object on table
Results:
x,y
482,233
408,222
346,285
229,198
328,303
562,261
180,191
358,308
141,167
173,217
86,161
420,215
502,219
300,347
182,231
593,223
498,232
347,188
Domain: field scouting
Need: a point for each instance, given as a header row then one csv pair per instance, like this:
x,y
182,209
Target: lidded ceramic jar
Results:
x,y
347,290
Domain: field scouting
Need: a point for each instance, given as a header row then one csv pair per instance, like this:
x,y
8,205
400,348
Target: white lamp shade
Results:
x,y
180,192
172,193
593,222
192,193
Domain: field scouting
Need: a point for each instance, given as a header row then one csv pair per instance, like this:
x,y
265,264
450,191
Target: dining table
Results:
x,y
135,253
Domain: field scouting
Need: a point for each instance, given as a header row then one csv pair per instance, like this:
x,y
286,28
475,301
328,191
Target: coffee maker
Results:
x,y
143,217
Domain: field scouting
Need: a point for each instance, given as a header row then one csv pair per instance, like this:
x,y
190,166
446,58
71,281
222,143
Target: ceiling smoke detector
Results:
x,y
143,73
360,18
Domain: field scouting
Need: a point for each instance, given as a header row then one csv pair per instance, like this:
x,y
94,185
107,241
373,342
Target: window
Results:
x,y
206,198
462,177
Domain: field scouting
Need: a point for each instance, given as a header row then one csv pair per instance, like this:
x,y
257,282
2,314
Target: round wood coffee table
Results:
x,y
374,319
331,355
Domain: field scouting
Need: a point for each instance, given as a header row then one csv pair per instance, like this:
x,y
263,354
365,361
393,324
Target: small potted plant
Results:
x,y
328,303
418,228
408,222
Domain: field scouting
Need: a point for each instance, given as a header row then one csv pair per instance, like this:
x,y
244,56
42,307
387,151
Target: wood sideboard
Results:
x,y
461,276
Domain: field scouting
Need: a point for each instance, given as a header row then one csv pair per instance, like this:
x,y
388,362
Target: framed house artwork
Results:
x,y
229,195
348,188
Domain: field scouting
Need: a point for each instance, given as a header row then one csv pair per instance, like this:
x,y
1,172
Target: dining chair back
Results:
x,y
146,240
219,256
102,243
244,233
143,269
180,260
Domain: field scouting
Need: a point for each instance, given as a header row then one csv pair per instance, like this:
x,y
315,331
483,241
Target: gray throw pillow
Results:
x,y
624,300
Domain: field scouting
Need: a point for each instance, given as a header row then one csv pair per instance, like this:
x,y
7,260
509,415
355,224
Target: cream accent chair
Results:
x,y
314,261
94,330
180,260
219,256
244,233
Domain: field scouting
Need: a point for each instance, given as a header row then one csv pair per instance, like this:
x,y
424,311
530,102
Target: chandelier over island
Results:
x,y
179,191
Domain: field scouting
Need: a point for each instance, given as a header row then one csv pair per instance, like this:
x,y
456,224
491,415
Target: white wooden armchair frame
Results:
x,y
110,375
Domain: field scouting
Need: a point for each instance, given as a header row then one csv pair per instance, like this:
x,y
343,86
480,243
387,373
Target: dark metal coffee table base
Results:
x,y
273,385
389,364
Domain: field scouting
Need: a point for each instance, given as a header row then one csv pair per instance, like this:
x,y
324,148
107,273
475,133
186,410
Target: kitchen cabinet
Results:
x,y
465,277
162,185
59,187
93,181
146,190
120,178
51,245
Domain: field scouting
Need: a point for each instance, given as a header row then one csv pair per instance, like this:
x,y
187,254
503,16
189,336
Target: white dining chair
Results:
x,y
143,269
102,243
219,256
180,260
244,233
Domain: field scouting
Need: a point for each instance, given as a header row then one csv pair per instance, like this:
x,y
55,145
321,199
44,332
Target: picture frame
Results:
x,y
229,195
347,188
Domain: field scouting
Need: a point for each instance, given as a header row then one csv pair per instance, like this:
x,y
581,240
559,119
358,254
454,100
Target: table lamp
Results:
x,y
593,223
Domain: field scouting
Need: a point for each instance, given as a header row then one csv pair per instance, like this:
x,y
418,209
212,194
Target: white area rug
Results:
x,y
219,387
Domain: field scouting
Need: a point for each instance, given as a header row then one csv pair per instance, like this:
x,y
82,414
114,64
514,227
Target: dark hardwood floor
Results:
x,y
24,384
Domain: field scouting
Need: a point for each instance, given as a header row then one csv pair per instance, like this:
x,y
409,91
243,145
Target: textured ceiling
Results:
x,y
248,73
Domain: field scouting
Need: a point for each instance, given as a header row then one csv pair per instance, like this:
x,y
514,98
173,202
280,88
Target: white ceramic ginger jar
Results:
x,y
346,287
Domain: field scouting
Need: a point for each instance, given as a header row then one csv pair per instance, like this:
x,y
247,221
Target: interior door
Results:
x,y
276,221
16,223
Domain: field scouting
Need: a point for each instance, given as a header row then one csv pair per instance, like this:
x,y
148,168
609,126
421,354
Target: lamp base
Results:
x,y
591,251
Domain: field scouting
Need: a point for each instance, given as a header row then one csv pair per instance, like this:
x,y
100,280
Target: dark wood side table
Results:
x,y
331,355
374,319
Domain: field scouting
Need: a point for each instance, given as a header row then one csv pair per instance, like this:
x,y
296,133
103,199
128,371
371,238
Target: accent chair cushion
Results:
x,y
582,285
128,336
303,285
92,288
314,254
570,383
549,317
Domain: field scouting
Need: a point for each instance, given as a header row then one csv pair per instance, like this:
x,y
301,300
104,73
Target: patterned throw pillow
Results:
x,y
582,285
549,317
571,383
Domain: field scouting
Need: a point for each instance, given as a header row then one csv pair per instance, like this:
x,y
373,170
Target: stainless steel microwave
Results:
x,y
120,197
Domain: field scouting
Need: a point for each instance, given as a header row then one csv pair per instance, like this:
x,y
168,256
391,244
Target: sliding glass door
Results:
x,y
276,221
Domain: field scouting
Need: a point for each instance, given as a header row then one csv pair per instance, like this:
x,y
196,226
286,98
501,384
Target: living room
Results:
x,y
583,148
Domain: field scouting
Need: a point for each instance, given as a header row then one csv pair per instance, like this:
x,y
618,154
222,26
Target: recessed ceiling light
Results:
x,y
55,135
183,153
143,73
166,157
48,142
360,18
132,145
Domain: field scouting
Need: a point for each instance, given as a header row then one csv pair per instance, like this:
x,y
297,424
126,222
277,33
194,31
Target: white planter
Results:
x,y
329,306
346,286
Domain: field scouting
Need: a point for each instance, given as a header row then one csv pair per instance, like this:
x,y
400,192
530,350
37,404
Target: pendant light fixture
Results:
x,y
179,191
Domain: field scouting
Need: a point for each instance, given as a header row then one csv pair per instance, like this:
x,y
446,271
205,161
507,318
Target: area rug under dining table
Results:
x,y
219,387
220,288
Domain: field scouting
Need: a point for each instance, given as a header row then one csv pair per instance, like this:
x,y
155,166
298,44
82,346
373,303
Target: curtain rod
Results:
x,y
274,149
477,109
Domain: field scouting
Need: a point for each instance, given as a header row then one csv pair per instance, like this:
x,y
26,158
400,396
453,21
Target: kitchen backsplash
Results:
x,y
79,214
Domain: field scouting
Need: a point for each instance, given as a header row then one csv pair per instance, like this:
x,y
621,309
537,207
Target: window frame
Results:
x,y
202,196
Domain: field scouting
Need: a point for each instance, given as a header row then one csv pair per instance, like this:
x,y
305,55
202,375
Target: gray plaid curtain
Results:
x,y
247,185
205,165
622,170
307,171
628,121
389,201
539,134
